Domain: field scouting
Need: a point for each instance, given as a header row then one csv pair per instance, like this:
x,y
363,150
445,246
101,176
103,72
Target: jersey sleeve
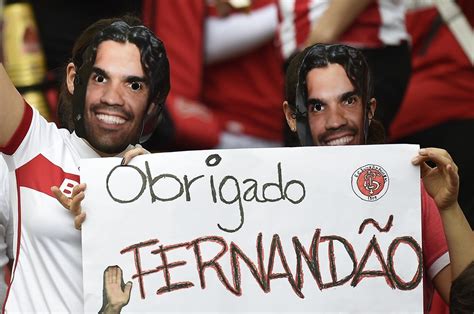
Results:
x,y
33,135
435,247
20,133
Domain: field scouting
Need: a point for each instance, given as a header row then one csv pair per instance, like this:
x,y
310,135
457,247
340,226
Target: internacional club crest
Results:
x,y
370,182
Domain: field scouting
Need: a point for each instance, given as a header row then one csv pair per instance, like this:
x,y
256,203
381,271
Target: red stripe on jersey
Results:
x,y
302,21
20,132
182,31
211,7
148,11
40,174
365,28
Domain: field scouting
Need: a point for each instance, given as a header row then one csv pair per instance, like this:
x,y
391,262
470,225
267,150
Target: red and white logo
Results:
x,y
370,182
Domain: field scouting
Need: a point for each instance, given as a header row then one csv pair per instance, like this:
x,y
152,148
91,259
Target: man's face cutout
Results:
x,y
116,97
335,111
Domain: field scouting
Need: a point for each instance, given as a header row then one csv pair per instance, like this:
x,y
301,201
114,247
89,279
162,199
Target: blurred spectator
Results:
x,y
187,123
438,106
245,92
377,27
234,98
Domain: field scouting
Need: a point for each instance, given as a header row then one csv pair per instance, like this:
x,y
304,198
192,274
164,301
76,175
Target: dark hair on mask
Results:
x,y
320,56
124,29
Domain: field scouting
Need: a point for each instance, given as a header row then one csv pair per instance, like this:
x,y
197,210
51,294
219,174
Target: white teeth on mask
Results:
x,y
340,141
110,119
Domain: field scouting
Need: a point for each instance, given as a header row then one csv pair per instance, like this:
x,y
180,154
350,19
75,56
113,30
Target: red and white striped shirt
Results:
x,y
381,23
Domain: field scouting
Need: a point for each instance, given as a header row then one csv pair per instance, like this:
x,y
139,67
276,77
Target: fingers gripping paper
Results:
x,y
279,230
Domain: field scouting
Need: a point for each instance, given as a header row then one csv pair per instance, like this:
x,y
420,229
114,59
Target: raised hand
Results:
x,y
116,293
442,181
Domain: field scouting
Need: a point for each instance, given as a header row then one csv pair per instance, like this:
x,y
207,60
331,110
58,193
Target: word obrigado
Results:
x,y
236,191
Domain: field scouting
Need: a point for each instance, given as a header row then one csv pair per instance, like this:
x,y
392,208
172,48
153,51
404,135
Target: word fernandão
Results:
x,y
263,270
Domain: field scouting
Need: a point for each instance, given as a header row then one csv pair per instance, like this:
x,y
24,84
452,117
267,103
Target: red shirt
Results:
x,y
246,92
381,23
442,82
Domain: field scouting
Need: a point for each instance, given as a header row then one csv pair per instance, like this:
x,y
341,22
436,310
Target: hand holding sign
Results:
x,y
72,203
442,181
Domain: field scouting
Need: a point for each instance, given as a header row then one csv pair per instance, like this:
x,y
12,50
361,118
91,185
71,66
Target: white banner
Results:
x,y
278,230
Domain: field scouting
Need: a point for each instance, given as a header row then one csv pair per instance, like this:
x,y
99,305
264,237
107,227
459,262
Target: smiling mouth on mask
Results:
x,y
337,137
109,114
340,141
110,119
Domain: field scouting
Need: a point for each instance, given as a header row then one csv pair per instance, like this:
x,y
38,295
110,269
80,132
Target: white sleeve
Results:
x,y
39,136
238,33
439,265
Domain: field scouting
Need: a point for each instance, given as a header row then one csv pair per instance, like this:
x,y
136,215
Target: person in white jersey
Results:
x,y
115,86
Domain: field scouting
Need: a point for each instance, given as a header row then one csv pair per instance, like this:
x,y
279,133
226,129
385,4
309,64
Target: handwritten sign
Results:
x,y
276,230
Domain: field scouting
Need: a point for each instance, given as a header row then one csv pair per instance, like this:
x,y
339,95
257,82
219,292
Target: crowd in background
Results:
x,y
228,61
